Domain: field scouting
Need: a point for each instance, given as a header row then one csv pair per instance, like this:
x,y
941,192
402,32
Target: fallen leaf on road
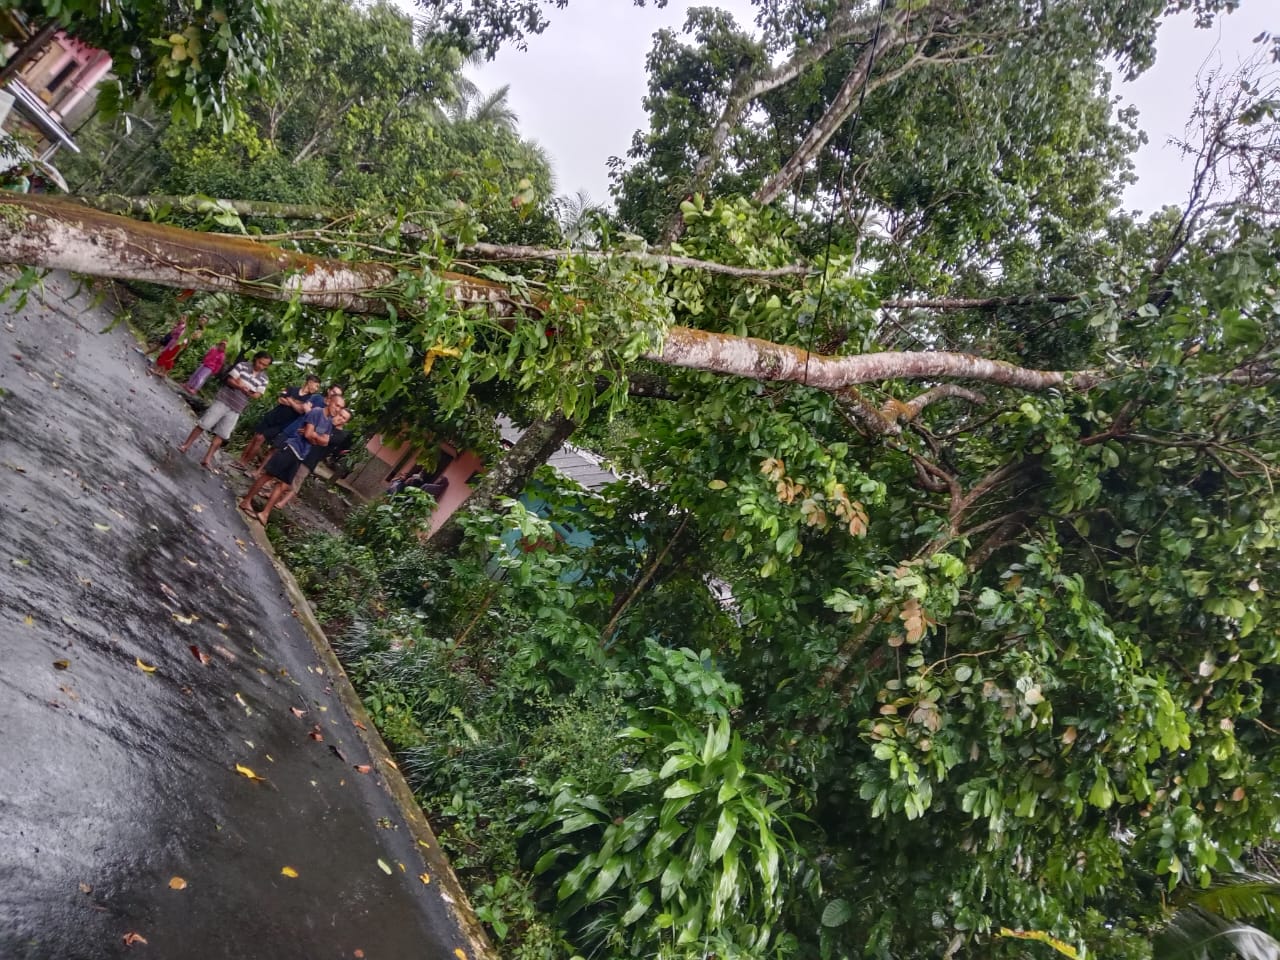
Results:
x,y
241,544
289,872
103,527
177,883
246,772
221,625
386,867
220,649
201,655
29,620
317,736
198,507
363,768
359,725
425,878
297,713
184,619
131,938
460,953
144,667
390,763
85,888
338,753
189,562
61,664
401,866
20,562
358,954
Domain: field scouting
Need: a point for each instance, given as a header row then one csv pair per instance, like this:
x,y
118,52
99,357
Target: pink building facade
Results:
x,y
389,459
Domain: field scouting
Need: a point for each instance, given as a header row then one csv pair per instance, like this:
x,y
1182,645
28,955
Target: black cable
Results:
x,y
844,169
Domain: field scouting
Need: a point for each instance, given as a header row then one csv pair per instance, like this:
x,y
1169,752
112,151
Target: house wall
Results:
x,y
462,467
369,481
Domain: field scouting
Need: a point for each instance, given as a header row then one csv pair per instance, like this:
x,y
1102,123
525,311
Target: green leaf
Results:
x,y
642,902
606,878
837,913
681,788
726,829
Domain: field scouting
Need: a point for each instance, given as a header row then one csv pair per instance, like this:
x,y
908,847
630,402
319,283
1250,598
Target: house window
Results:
x,y
400,465
441,466
62,76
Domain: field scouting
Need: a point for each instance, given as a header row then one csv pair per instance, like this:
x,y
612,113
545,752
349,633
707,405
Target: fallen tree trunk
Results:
x,y
62,234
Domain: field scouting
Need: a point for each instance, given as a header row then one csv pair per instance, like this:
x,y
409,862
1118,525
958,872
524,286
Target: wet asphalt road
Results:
x,y
118,555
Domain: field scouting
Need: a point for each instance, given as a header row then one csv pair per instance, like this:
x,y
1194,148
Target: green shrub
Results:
x,y
686,849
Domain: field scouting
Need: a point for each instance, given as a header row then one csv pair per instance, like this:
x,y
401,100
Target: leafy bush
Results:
x,y
685,849
389,524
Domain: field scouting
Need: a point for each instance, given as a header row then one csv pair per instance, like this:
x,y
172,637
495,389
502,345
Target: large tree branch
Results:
x,y
198,206
60,234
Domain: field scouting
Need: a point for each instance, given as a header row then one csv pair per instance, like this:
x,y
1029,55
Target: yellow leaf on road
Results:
x,y
144,667
424,878
288,872
246,772
177,883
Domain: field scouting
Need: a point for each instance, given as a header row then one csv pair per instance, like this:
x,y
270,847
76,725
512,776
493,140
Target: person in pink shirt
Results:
x,y
210,365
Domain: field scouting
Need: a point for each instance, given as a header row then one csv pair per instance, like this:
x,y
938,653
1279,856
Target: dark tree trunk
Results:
x,y
507,477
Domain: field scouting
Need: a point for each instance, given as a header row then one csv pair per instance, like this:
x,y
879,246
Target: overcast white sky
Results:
x,y
578,88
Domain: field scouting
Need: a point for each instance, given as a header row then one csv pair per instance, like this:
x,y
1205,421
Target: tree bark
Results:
x,y
28,51
61,234
507,477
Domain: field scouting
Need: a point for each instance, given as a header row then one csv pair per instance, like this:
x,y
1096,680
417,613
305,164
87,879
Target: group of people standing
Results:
x,y
305,426
168,347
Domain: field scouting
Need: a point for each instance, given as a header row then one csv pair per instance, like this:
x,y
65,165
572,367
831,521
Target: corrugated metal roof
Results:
x,y
581,466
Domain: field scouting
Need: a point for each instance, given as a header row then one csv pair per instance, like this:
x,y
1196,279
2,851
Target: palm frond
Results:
x,y
1194,933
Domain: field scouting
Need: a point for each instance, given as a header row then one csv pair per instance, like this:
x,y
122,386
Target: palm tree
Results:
x,y
579,218
491,109
1215,922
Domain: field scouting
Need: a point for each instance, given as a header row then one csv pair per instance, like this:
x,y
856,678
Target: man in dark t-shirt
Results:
x,y
292,403
339,446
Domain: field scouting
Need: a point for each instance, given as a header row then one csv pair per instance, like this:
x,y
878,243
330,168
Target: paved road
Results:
x,y
147,647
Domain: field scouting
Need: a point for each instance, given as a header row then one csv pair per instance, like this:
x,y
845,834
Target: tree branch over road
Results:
x,y
60,234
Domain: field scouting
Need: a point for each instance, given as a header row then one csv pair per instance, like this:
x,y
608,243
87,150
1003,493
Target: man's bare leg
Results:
x,y
192,437
251,451
277,495
214,444
260,481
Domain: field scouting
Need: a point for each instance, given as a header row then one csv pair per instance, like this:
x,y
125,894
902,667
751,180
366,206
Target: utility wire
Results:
x,y
839,197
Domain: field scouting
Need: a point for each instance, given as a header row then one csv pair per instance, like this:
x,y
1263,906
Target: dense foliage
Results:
x,y
872,670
